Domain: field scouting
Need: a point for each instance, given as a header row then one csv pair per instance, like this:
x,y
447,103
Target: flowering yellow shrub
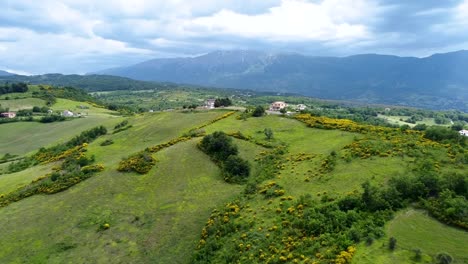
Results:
x,y
92,168
141,162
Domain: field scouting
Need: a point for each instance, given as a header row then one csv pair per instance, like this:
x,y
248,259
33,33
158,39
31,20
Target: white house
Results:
x,y
210,103
301,107
8,114
463,132
278,105
67,113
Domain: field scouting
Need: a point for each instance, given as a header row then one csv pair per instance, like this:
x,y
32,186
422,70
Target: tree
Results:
x,y
420,127
218,145
457,126
283,111
392,243
236,169
417,254
259,111
268,133
438,133
222,102
444,258
244,116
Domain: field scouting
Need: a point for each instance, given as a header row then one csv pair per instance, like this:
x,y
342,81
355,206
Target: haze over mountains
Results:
x,y
5,73
439,81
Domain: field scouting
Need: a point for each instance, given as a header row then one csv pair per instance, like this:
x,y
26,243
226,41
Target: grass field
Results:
x,y
413,229
155,218
80,107
396,121
23,103
158,217
10,182
22,137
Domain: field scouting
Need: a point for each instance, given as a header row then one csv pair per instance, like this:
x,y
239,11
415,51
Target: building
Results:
x,y
276,106
210,103
463,132
301,107
67,113
8,114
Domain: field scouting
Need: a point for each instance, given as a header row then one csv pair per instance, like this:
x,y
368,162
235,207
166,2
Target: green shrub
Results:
x,y
235,169
107,142
259,111
218,146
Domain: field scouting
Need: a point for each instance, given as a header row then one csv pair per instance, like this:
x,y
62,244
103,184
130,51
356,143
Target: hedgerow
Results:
x,y
76,167
142,162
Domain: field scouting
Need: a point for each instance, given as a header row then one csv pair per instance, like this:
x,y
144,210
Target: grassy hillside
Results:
x,y
182,211
148,214
22,103
413,230
23,137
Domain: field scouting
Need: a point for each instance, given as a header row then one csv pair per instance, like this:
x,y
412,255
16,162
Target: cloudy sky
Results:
x,y
79,36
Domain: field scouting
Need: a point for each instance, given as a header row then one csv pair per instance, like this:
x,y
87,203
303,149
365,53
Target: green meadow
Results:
x,y
415,230
159,217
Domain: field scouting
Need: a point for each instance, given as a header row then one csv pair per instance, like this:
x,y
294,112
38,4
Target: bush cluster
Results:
x,y
222,150
303,230
76,167
141,162
222,102
60,151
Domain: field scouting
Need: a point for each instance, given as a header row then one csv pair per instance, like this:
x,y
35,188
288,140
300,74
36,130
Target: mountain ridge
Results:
x,y
371,78
6,73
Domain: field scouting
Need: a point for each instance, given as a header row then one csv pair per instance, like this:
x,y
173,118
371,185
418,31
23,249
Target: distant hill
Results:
x,y
5,73
88,82
438,82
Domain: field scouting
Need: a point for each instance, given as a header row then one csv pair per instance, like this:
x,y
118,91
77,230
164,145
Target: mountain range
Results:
x,y
439,81
5,73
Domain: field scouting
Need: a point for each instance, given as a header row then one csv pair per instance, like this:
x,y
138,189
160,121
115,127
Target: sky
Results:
x,y
80,36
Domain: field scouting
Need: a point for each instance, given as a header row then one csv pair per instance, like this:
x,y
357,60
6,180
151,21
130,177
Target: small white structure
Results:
x,y
301,107
463,132
210,103
8,114
151,111
67,113
278,105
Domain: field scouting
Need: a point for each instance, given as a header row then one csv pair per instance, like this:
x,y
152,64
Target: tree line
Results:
x,y
13,88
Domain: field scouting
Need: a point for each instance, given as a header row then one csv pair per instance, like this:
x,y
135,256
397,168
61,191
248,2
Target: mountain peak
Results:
x,y
6,73
374,77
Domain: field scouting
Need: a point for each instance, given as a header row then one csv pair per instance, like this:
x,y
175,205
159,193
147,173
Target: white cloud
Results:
x,y
461,12
432,11
60,52
293,20
456,23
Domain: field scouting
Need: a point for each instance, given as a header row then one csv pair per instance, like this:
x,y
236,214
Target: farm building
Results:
x,y
8,114
301,107
276,106
67,113
210,103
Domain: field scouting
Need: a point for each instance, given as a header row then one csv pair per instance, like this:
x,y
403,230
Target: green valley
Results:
x,y
325,185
